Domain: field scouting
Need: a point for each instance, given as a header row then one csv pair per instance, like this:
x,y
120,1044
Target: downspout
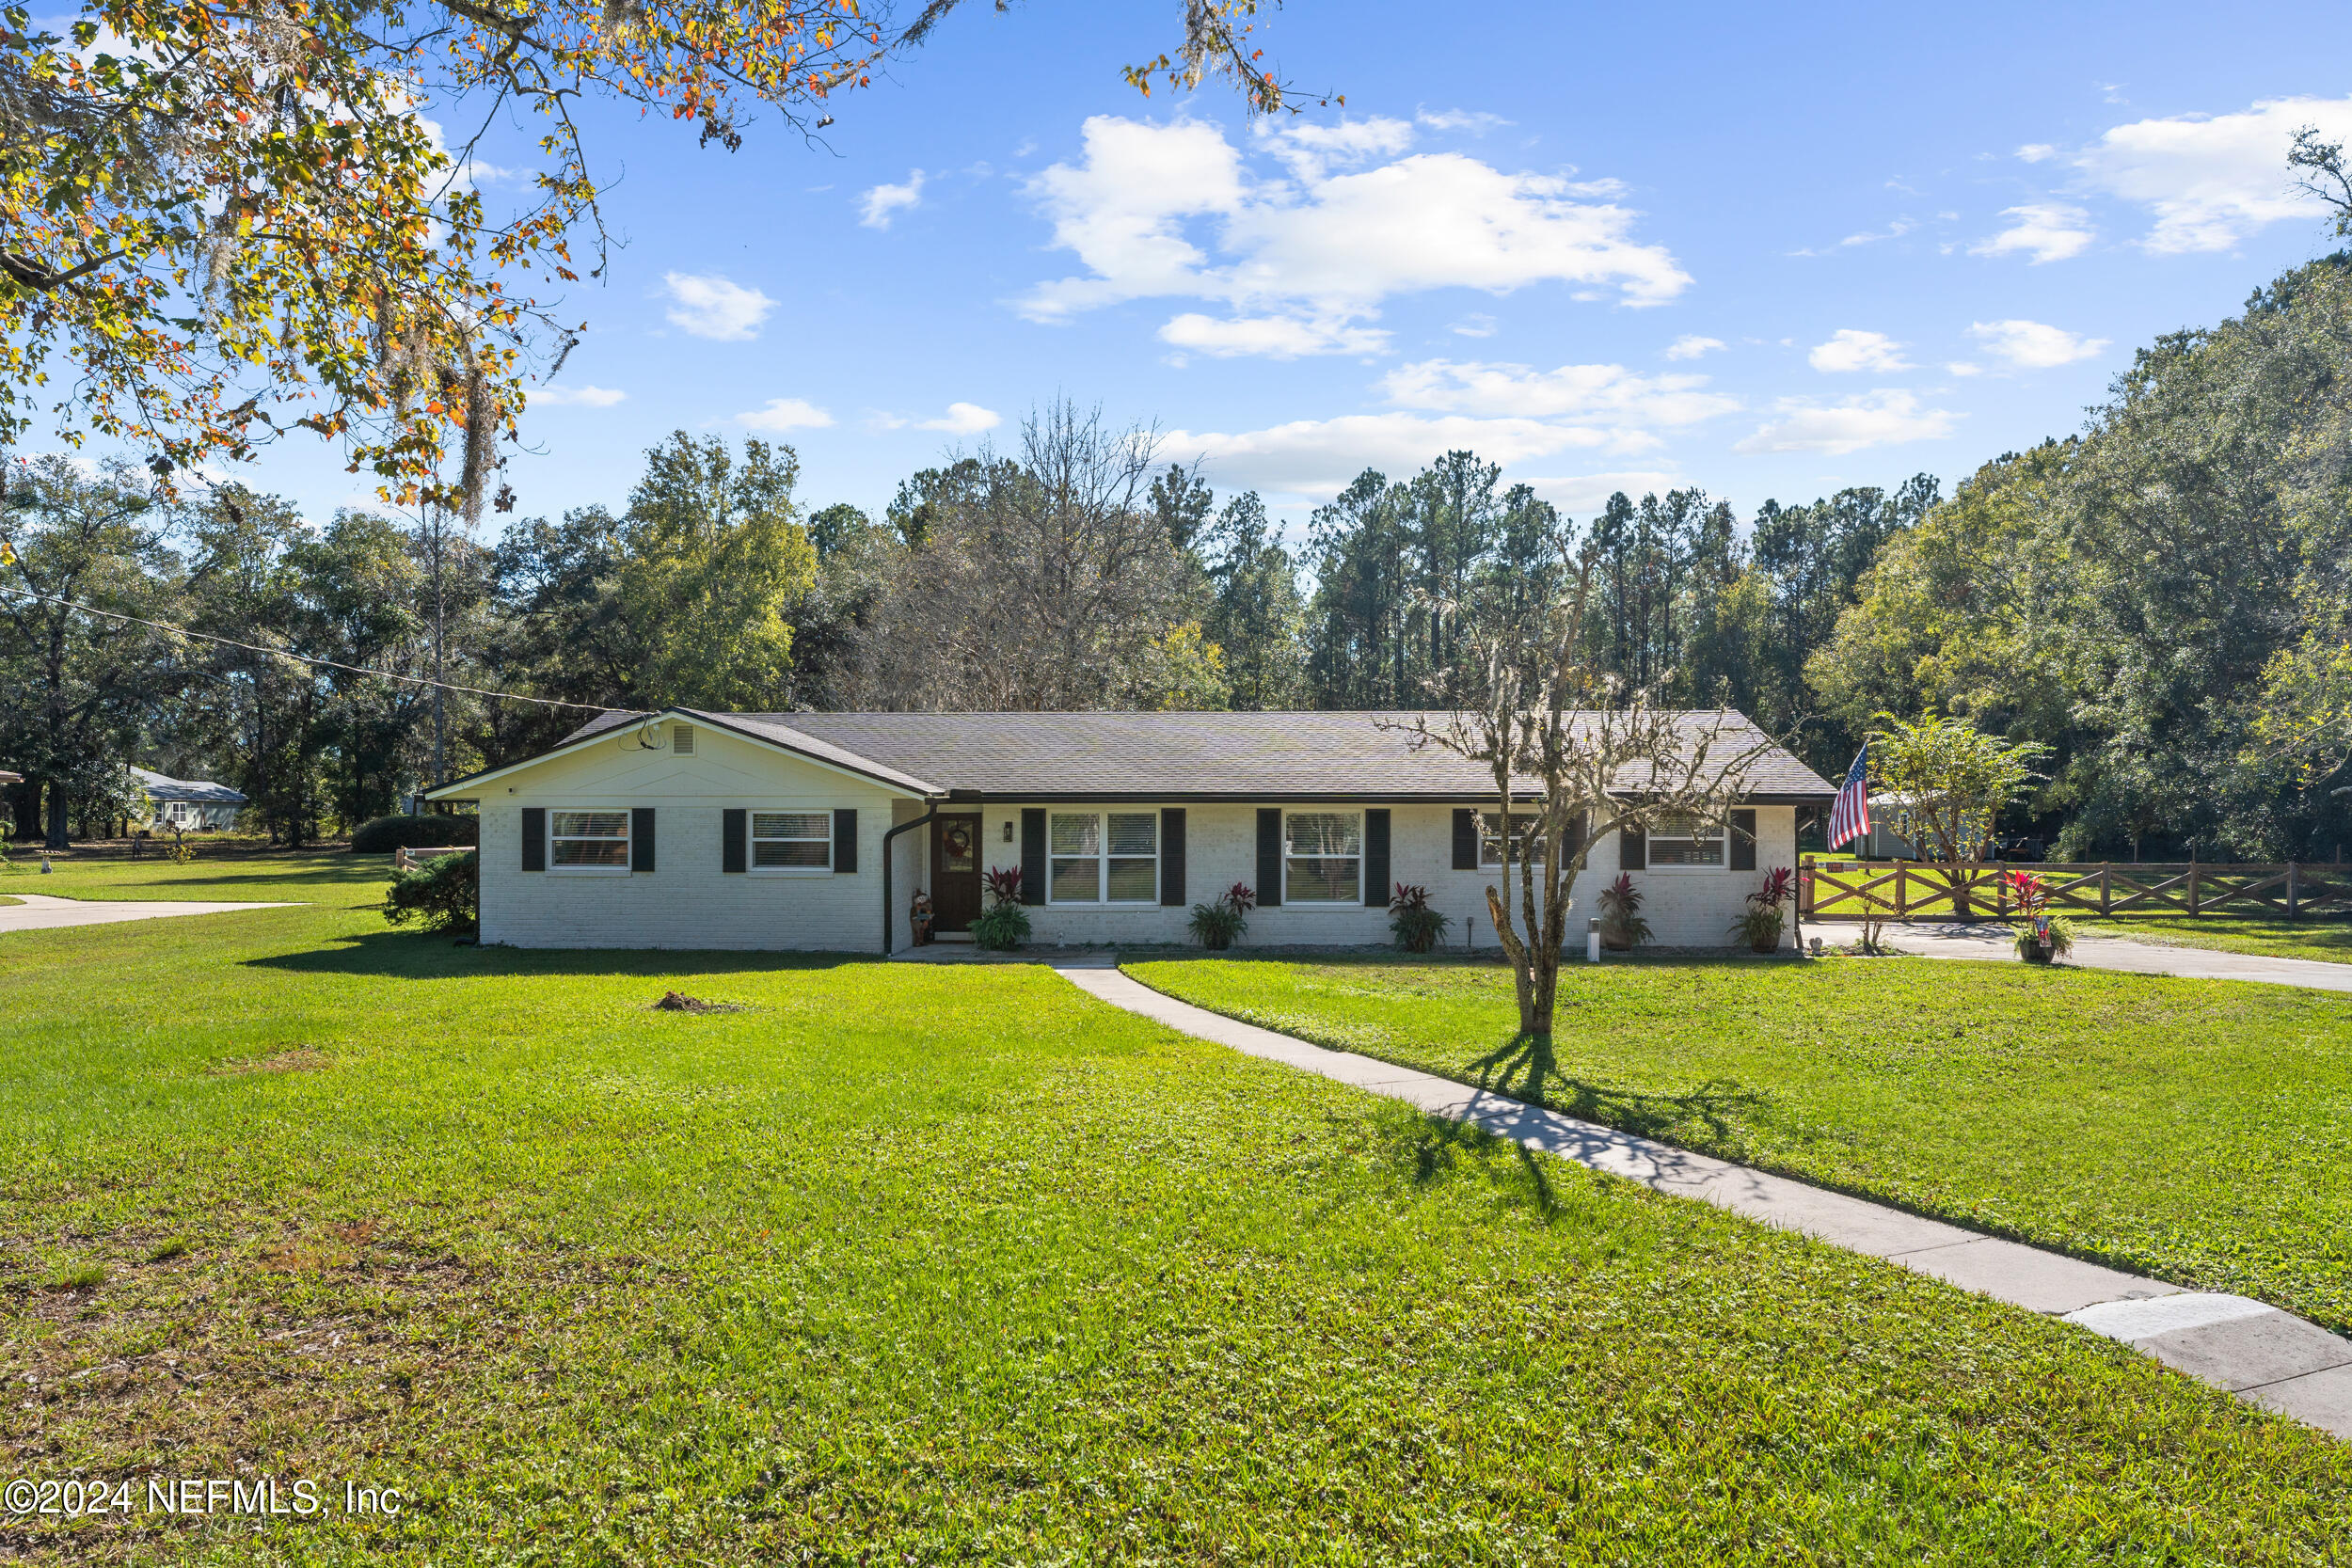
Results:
x,y
932,811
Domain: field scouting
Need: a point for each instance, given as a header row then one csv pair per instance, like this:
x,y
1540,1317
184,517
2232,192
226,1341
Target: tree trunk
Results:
x,y
59,838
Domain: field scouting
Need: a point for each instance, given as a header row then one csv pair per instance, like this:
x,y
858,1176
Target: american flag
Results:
x,y
1850,818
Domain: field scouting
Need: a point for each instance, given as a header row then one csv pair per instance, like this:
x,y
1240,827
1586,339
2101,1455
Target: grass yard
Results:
x,y
224,872
2199,1131
2329,939
917,1263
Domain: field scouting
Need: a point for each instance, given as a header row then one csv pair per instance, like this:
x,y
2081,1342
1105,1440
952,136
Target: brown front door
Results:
x,y
955,872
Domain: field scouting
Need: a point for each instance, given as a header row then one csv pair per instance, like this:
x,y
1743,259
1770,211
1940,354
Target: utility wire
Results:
x,y
305,658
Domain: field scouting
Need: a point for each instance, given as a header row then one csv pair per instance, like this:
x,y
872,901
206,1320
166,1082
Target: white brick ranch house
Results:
x,y
812,830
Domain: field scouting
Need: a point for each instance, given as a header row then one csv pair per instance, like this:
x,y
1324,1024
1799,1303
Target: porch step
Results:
x,y
951,935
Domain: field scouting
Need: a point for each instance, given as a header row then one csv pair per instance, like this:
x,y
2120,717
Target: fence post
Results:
x,y
2292,891
2192,880
2000,889
1902,892
2107,894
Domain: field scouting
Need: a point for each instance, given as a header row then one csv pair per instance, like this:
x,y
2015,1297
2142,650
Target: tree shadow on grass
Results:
x,y
414,955
1526,1068
1429,1148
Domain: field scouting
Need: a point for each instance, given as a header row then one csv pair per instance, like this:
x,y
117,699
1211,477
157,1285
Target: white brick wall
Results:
x,y
687,902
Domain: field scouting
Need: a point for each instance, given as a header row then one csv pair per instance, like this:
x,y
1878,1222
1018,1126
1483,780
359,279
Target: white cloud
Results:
x,y
1591,492
577,397
1692,346
782,414
964,419
2046,231
1319,457
709,306
1962,366
1850,349
2037,151
2030,345
1477,121
877,207
1476,324
1275,337
1880,419
2212,181
1605,394
1173,212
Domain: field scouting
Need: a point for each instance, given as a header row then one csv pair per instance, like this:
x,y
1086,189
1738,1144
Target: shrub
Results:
x,y
1413,921
388,834
1216,924
1005,924
1621,923
1760,927
444,892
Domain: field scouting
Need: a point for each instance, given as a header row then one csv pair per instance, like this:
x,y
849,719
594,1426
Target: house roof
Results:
x,y
194,791
1173,757
7,777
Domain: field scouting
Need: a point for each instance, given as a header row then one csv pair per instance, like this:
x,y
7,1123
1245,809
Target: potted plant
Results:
x,y
1767,912
1622,927
1005,924
1413,921
1216,924
2039,935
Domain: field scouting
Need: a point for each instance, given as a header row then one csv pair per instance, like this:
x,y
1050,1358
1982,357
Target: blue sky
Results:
x,y
1766,254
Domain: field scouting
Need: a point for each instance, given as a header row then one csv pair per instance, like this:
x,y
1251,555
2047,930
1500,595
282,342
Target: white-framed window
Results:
x,y
1103,857
1686,842
1323,857
785,841
588,842
1526,838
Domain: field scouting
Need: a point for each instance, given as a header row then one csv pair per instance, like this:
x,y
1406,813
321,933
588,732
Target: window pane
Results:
x,y
791,824
1075,881
1525,840
1135,832
1325,832
1133,881
1686,851
591,824
1324,880
1077,834
769,854
592,852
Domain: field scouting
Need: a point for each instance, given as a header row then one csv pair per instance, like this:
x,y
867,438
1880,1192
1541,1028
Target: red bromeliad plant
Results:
x,y
1217,923
2040,936
1760,927
1413,921
1004,885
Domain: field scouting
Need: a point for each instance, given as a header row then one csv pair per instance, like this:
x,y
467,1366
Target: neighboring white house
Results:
x,y
813,830
188,805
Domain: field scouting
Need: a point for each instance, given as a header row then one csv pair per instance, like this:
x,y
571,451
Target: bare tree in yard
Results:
x,y
1575,753
1046,581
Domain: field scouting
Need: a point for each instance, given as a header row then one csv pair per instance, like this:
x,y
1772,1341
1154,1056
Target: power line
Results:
x,y
304,659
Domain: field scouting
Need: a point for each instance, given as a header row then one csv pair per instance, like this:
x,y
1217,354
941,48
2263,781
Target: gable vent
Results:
x,y
682,740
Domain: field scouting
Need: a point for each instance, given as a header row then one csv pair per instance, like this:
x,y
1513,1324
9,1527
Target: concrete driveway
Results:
x,y
41,912
1991,943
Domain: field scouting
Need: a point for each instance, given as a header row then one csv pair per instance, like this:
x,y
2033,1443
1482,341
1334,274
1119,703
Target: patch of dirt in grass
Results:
x,y
302,1058
678,1002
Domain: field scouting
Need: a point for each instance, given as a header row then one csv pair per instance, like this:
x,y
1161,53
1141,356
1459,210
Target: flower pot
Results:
x,y
1772,947
2037,953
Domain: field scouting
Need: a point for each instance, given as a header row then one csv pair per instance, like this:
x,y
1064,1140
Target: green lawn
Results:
x,y
915,1263
221,872
2196,1129
2329,939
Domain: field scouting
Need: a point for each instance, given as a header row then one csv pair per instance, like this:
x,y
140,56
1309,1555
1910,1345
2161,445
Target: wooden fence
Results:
x,y
409,860
1911,890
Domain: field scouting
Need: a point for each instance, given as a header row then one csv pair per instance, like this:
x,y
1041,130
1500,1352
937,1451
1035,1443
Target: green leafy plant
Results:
x,y
444,892
1622,927
1767,912
1217,923
1005,924
1417,926
2038,935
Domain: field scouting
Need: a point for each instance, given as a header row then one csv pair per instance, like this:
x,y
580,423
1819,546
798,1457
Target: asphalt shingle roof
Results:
x,y
1171,756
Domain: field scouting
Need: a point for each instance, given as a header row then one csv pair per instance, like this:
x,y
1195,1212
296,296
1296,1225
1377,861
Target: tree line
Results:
x,y
2159,602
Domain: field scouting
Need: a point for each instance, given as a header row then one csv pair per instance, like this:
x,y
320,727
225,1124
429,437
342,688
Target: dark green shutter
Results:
x,y
534,838
1743,841
844,841
1033,854
1576,835
733,830
641,838
1172,857
1270,856
1464,839
1632,848
1376,858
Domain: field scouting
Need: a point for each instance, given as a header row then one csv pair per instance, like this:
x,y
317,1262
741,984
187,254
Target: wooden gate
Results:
x,y
1917,890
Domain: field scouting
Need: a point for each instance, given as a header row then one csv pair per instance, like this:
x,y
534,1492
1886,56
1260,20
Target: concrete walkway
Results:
x,y
1957,939
2256,1352
40,912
